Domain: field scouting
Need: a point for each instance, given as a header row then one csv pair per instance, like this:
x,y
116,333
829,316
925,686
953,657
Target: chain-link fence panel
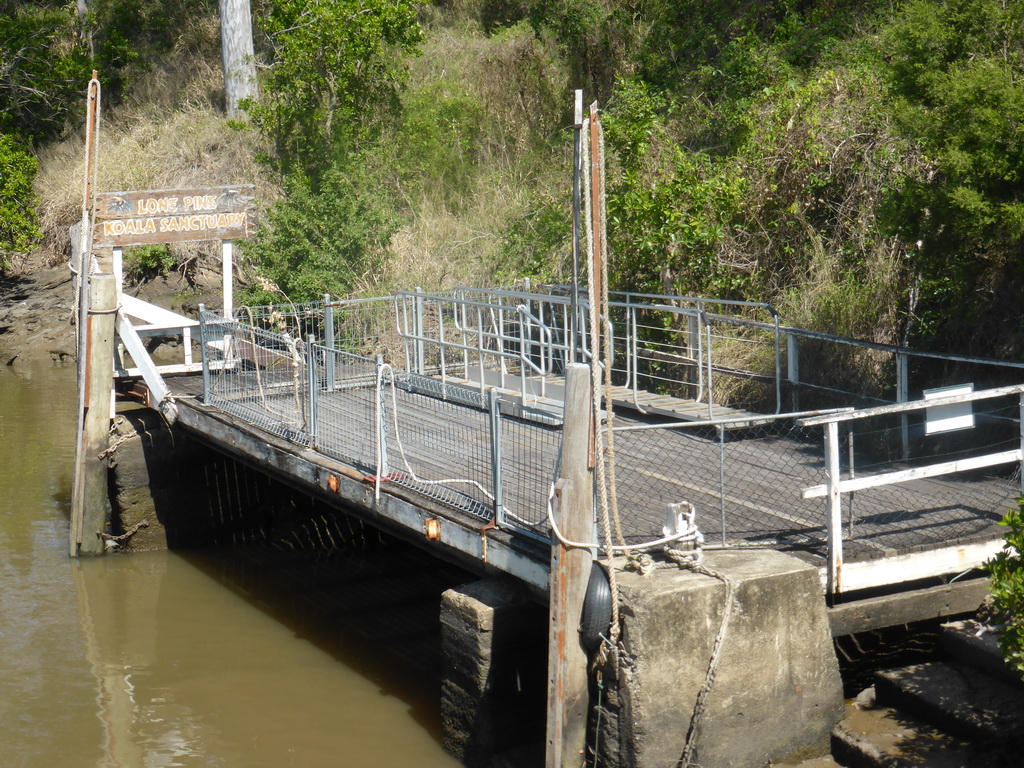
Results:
x,y
529,453
745,481
440,448
257,375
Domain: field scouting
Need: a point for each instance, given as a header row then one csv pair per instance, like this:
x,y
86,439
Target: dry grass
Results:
x,y
172,134
520,85
440,249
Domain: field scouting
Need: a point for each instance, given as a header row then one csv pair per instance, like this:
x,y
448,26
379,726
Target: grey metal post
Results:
x,y
497,481
577,156
204,352
793,370
1020,414
710,375
852,474
778,366
721,480
419,332
693,343
902,396
313,385
331,359
382,426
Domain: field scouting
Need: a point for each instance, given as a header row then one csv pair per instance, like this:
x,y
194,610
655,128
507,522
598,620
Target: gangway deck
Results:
x,y
451,406
745,482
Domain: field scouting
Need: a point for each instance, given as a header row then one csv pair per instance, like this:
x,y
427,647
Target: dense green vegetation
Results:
x,y
1006,570
858,164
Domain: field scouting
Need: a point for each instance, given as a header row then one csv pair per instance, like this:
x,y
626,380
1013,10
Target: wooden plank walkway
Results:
x,y
747,488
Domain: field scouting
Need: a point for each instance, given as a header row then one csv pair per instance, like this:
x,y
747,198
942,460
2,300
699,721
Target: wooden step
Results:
x,y
882,737
956,698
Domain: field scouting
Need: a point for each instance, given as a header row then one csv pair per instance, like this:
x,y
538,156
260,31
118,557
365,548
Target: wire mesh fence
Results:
x,y
257,375
445,441
357,386
365,327
744,480
748,482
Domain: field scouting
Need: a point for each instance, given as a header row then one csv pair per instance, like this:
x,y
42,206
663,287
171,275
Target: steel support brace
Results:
x,y
496,478
204,351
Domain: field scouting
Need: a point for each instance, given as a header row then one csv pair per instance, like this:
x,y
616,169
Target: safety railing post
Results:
x,y
902,396
497,487
329,341
710,369
420,332
204,351
834,522
382,421
313,385
793,370
1020,415
778,366
721,482
694,349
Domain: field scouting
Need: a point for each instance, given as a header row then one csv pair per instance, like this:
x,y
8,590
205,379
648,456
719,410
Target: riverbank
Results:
x,y
37,305
35,316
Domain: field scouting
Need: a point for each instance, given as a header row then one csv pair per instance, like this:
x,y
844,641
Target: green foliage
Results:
x,y
18,227
145,262
335,73
325,238
48,54
958,70
1006,570
439,142
667,206
43,66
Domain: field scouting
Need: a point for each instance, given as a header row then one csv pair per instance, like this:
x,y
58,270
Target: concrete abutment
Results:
x,y
776,692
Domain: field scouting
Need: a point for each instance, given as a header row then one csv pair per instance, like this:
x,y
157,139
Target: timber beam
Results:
x,y
938,602
469,542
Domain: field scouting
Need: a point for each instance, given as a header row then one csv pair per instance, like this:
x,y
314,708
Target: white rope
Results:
x,y
689,533
386,367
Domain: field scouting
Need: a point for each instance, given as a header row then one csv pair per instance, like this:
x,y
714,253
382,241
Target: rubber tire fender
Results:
x,y
596,620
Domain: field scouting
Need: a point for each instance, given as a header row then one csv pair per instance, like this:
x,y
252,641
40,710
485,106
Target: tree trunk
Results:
x,y
237,53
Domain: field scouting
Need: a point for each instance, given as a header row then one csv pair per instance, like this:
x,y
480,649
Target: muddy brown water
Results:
x,y
160,659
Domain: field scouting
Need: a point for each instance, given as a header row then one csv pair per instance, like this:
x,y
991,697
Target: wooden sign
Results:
x,y
172,216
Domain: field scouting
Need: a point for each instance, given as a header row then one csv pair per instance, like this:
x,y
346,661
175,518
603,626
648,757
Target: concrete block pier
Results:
x,y
776,692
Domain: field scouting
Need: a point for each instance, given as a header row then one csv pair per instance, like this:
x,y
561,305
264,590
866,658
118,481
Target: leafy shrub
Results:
x,y
18,227
957,69
145,262
335,71
324,238
1006,570
439,141
44,70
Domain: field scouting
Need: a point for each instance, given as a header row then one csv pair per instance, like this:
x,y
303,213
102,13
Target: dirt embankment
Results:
x,y
36,309
35,316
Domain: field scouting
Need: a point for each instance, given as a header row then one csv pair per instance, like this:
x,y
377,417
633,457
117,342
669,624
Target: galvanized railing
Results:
x,y
426,392
948,427
454,444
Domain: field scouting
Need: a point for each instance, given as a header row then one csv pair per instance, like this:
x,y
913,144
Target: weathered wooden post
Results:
x,y
570,572
90,506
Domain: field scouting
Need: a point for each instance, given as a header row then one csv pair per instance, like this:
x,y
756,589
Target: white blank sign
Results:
x,y
947,418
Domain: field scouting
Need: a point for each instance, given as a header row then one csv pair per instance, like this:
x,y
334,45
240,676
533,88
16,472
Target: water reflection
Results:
x,y
152,659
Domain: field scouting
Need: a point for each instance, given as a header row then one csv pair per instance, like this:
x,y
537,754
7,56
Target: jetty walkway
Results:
x,y
452,403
